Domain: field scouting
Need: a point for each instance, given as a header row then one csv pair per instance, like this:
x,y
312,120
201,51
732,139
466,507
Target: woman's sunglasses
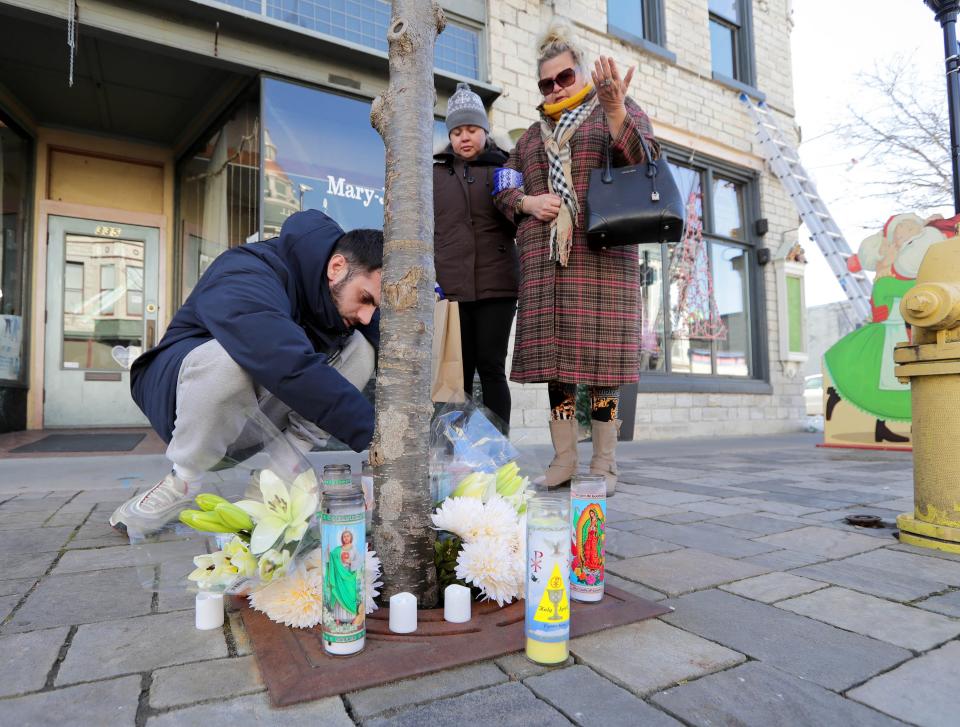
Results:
x,y
564,79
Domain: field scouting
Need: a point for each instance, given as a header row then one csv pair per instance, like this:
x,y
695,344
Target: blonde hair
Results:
x,y
557,40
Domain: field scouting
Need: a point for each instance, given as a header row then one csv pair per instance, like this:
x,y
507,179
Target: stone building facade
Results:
x,y
697,111
193,126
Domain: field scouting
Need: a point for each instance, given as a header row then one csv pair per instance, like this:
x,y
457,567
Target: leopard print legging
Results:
x,y
563,401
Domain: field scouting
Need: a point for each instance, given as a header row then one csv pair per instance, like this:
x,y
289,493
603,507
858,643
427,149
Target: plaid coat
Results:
x,y
578,324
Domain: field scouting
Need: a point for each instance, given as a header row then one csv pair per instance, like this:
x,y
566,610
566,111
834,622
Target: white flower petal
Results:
x,y
294,531
303,504
266,533
275,494
256,510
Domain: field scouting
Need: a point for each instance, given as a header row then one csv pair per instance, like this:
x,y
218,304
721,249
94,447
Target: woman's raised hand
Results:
x,y
545,207
611,89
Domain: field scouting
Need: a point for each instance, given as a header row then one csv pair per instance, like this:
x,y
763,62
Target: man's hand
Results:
x,y
545,207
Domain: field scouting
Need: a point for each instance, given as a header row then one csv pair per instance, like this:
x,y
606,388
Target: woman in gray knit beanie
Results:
x,y
474,253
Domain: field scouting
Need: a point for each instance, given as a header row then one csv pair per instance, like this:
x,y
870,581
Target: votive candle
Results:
x,y
209,611
403,613
456,603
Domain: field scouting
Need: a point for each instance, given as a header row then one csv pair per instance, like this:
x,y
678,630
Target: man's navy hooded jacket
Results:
x,y
269,306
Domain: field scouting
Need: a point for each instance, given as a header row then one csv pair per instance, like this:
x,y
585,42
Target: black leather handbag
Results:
x,y
633,205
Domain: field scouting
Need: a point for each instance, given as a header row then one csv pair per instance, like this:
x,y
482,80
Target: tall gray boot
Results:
x,y
604,461
564,464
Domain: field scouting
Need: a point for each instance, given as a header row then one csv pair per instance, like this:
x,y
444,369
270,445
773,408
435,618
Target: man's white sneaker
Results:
x,y
149,512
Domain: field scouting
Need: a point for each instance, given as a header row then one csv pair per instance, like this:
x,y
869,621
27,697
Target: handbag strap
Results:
x,y
652,169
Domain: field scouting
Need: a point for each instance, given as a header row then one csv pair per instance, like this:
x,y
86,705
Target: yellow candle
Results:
x,y
547,622
546,653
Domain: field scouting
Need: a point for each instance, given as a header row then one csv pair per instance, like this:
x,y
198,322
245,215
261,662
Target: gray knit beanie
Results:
x,y
466,108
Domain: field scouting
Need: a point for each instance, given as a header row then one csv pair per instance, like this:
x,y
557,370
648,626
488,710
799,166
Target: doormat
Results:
x,y
295,667
105,442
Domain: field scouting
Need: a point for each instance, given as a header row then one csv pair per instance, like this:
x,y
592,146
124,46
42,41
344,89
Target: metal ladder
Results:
x,y
784,162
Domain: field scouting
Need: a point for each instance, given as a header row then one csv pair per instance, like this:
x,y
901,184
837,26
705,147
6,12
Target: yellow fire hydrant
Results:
x,y
930,363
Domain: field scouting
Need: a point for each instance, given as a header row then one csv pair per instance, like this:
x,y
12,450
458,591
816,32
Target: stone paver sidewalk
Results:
x,y
784,615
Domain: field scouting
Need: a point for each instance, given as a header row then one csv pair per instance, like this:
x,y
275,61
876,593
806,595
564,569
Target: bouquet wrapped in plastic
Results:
x,y
481,485
252,531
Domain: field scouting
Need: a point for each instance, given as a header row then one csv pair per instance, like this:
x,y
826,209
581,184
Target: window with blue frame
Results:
x,y
365,22
698,304
636,20
731,42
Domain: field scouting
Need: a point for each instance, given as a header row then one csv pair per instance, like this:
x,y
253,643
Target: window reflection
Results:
x,y
729,9
689,301
723,49
100,311
322,154
688,182
727,208
730,289
709,300
652,351
626,15
14,197
219,206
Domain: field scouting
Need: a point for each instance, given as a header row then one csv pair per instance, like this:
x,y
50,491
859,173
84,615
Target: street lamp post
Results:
x,y
304,188
946,14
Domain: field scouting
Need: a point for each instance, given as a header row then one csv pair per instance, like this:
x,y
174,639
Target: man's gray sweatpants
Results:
x,y
215,395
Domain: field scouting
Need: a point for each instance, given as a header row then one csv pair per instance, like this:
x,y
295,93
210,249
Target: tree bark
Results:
x,y
402,534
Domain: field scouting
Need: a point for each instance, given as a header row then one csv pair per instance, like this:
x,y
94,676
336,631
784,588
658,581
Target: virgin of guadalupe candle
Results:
x,y
547,595
588,509
343,543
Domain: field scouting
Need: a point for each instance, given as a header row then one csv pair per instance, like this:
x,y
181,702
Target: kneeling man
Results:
x,y
288,326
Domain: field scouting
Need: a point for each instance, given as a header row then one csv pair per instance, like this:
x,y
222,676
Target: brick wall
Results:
x,y
690,109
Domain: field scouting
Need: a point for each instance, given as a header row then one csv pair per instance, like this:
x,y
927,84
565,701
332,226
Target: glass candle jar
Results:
x,y
547,623
588,520
343,545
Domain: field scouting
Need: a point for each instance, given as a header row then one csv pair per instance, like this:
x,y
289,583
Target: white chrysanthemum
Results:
x,y
518,543
372,572
295,600
458,515
491,565
470,519
313,561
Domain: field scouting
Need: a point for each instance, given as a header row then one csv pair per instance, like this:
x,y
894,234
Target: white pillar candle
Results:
x,y
209,613
403,613
456,603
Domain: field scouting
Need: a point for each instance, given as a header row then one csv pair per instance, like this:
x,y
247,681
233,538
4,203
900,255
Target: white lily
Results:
x,y
273,564
284,513
240,557
213,571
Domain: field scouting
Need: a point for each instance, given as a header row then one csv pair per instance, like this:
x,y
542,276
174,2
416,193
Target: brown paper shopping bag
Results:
x,y
447,354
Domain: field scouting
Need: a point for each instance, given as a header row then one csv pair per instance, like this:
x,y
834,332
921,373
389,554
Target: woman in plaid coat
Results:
x,y
578,315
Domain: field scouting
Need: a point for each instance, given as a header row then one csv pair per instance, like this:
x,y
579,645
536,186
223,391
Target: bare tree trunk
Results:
x,y
403,115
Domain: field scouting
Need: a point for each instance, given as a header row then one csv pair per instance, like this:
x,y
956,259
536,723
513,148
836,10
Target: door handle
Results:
x,y
151,333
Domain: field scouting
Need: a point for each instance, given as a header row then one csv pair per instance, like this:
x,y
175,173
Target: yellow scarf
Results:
x,y
553,110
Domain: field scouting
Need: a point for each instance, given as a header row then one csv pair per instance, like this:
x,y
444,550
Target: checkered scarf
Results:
x,y
556,142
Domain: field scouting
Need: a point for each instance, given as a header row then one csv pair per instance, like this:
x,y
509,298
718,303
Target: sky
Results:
x,y
831,43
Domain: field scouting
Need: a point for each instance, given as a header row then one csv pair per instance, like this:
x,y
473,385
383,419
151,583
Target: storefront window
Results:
x,y
652,347
699,321
321,153
219,198
14,166
729,265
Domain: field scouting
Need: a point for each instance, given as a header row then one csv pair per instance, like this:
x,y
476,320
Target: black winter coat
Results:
x,y
269,305
474,251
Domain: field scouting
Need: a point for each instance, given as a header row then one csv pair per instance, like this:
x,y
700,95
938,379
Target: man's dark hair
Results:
x,y
363,249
